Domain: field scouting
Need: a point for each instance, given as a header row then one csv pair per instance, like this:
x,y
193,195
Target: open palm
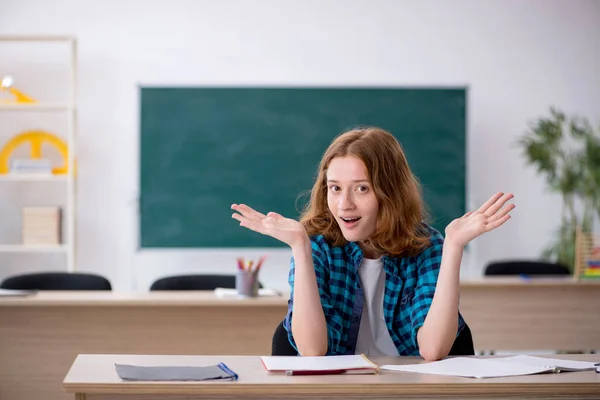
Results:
x,y
286,230
488,217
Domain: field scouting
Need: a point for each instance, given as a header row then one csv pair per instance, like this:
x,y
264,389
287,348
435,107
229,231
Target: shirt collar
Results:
x,y
356,255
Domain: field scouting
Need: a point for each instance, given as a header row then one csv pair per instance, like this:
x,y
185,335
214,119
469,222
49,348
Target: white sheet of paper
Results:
x,y
16,293
564,365
470,368
325,363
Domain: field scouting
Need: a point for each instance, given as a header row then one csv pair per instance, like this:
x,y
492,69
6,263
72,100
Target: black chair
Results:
x,y
463,344
195,282
523,267
56,281
280,345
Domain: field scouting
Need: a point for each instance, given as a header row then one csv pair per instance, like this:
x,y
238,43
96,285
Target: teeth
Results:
x,y
351,219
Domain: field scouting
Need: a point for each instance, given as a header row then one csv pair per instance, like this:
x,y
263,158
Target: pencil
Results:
x,y
315,372
260,262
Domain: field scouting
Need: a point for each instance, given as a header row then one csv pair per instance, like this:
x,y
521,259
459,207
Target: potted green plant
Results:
x,y
566,151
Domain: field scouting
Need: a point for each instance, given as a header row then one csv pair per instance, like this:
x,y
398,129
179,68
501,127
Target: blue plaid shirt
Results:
x,y
409,288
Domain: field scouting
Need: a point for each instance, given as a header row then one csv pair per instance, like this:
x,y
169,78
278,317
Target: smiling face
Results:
x,y
351,199
364,176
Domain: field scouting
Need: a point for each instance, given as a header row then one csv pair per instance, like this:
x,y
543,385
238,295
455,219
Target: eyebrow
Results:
x,y
355,181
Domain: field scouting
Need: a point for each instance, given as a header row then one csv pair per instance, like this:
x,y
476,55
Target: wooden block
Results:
x,y
42,225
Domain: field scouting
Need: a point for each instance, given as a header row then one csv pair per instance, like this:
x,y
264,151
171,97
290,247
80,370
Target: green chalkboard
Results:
x,y
204,148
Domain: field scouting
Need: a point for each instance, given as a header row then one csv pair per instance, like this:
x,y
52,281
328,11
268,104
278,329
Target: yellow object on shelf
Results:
x,y
6,85
36,139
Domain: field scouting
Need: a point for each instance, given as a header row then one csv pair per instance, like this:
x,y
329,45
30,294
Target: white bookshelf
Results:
x,y
25,248
33,178
68,108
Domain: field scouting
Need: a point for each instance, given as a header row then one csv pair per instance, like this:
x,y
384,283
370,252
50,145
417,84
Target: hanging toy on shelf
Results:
x,y
36,163
6,85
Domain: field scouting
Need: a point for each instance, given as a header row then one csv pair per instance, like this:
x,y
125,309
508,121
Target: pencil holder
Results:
x,y
246,283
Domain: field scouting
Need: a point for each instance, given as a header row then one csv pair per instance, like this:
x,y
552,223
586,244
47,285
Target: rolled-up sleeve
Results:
x,y
428,269
332,317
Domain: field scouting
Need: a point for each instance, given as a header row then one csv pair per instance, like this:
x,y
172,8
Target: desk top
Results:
x,y
95,373
146,299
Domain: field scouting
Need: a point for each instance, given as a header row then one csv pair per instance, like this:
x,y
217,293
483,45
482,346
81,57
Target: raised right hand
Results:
x,y
286,230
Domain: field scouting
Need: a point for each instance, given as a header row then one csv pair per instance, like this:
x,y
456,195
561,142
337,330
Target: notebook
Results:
x,y
493,367
174,373
295,365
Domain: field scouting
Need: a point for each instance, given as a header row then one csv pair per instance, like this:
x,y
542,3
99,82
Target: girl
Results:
x,y
368,275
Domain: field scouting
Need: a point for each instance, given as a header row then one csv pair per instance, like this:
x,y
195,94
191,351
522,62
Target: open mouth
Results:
x,y
350,221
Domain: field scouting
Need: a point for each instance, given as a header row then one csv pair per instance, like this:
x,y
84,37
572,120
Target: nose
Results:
x,y
346,201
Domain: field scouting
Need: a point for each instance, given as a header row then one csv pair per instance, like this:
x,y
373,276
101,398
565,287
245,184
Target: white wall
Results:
x,y
516,57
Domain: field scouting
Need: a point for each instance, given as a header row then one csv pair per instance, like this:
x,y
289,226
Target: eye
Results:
x,y
362,188
334,188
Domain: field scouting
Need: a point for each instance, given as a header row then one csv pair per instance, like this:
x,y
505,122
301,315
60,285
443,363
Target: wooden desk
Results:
x,y
40,336
503,314
539,314
93,377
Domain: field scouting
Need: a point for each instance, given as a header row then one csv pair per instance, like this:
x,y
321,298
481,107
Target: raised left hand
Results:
x,y
488,217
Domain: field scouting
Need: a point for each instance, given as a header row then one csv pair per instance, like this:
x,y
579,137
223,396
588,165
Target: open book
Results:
x,y
493,367
294,365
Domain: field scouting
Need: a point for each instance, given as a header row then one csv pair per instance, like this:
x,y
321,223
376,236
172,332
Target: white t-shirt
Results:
x,y
373,336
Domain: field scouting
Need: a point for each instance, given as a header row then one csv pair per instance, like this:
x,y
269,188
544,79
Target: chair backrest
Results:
x,y
56,281
526,268
195,282
463,344
280,345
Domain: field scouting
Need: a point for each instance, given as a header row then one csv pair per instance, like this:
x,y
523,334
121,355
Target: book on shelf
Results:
x,y
28,166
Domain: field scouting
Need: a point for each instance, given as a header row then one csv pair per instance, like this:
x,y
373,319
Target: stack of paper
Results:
x,y
16,293
41,225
